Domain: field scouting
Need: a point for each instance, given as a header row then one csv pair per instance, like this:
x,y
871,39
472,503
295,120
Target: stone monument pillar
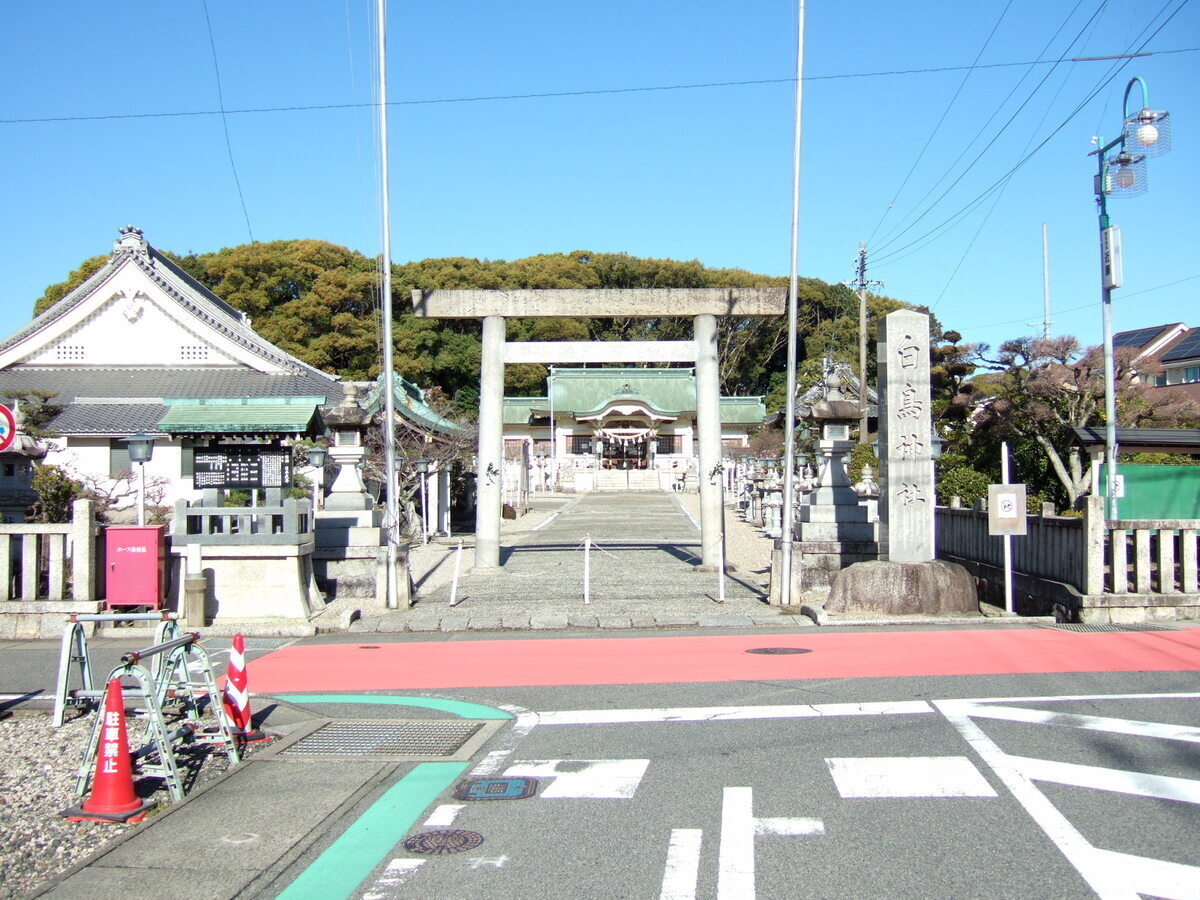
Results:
x,y
907,497
906,580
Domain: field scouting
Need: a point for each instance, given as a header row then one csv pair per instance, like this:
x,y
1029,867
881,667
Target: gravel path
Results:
x,y
38,765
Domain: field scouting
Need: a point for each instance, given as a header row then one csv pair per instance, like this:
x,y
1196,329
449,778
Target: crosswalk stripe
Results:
x,y
729,713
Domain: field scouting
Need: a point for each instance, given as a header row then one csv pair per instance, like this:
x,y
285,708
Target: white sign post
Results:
x,y
1006,516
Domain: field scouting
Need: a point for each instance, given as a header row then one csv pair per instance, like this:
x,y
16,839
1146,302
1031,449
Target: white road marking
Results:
x,y
1091,723
1067,698
496,862
907,776
1117,781
788,827
1153,877
443,816
1057,827
735,869
729,713
739,827
615,779
683,865
491,764
393,877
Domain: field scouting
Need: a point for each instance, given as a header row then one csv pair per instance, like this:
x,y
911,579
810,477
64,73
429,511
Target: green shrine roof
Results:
x,y
242,415
582,392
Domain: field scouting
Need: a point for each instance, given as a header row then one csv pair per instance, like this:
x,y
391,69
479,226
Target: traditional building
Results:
x,y
628,419
140,342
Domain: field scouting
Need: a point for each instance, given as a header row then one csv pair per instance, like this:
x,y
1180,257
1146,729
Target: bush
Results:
x,y
962,482
56,492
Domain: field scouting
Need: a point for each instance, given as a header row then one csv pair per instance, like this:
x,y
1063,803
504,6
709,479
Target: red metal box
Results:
x,y
135,565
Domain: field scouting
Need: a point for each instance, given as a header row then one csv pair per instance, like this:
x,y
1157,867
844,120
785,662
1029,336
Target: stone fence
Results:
x,y
257,561
1086,569
48,570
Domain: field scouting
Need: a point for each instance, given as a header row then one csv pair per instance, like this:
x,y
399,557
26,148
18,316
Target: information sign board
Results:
x,y
242,467
1006,509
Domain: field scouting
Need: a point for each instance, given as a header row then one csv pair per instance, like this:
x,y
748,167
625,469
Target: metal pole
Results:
x,y
862,343
789,425
385,302
141,494
424,507
1110,400
1046,280
1008,597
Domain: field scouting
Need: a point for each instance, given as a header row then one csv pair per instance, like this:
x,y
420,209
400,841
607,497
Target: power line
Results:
x,y
1100,85
225,121
585,93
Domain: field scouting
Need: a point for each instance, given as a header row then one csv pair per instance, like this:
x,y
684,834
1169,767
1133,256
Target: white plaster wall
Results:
x,y
131,328
88,457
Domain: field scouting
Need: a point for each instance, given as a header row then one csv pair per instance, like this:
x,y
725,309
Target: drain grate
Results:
x,y
775,651
1132,626
388,738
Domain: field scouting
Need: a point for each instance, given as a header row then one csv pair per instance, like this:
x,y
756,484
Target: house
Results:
x,y
141,343
1175,348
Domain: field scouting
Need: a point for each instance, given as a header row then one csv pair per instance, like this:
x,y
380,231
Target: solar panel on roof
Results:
x,y
1139,338
1185,349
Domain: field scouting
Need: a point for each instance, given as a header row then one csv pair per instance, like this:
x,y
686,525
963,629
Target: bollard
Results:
x,y
457,568
587,570
195,592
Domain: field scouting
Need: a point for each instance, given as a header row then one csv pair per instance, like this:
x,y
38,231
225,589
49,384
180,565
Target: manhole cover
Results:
x,y
444,840
1132,626
496,789
775,651
386,738
368,647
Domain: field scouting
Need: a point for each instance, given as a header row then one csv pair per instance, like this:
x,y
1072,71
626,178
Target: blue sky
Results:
x,y
692,173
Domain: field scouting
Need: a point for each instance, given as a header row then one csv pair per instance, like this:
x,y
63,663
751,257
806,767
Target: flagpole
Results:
x,y
389,400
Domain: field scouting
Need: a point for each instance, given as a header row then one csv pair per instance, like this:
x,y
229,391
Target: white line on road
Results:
x,y
1154,877
1066,698
788,827
1056,826
729,713
735,876
443,816
393,877
555,514
1091,723
907,776
683,864
1116,781
611,779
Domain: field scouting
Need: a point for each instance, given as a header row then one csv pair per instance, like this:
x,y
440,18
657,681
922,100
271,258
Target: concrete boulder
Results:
x,y
904,589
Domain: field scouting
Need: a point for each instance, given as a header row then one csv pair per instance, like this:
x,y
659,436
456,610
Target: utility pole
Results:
x,y
860,283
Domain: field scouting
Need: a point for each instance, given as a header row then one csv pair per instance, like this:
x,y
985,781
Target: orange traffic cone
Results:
x,y
236,696
113,798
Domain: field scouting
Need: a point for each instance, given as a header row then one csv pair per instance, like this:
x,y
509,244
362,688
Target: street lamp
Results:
x,y
1145,133
141,448
422,468
316,459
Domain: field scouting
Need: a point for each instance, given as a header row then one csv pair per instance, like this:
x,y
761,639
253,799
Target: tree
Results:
x,y
1048,386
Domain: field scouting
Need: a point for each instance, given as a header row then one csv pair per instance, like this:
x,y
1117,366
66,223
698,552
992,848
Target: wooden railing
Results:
x,y
1151,556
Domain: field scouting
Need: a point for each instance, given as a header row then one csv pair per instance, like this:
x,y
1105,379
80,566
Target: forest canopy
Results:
x,y
320,302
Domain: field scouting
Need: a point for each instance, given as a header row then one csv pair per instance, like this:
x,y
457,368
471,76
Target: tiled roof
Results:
x,y
87,395
108,418
583,391
409,402
242,415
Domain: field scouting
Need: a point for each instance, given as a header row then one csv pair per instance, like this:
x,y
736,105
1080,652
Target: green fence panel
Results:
x,y
1158,492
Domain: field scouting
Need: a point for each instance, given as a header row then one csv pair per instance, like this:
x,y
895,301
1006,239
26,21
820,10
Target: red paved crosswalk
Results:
x,y
429,665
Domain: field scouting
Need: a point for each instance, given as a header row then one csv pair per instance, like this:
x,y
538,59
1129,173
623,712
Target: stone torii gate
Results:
x,y
703,304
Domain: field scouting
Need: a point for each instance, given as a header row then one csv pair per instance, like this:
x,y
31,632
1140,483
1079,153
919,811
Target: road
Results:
x,y
1010,762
